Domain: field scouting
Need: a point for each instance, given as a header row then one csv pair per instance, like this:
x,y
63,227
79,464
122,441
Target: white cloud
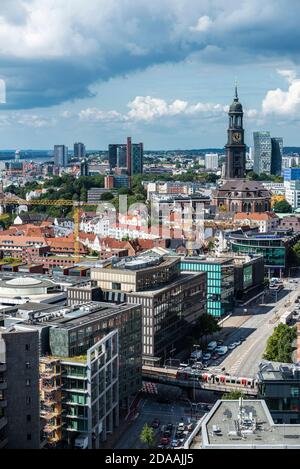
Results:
x,y
148,108
204,23
96,115
283,102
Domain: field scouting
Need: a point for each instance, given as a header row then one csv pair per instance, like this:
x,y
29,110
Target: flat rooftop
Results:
x,y
74,316
273,371
228,425
209,259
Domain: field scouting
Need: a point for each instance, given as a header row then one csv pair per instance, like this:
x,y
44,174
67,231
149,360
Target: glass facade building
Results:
x,y
262,152
274,247
220,282
268,152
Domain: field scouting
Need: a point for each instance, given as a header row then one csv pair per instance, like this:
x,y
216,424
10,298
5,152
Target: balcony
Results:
x,y
3,422
3,385
2,367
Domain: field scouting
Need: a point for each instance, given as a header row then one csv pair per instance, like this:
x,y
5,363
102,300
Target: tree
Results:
x,y
282,207
233,395
279,346
147,436
107,196
295,254
205,325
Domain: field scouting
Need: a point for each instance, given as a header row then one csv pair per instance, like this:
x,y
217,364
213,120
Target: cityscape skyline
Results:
x,y
64,92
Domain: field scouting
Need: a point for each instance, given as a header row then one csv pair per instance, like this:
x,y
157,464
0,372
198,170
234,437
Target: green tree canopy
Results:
x,y
107,196
279,346
147,436
282,206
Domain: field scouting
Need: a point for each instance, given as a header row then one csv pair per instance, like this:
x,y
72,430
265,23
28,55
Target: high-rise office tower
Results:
x,y
235,147
130,156
84,167
60,155
262,152
135,158
268,153
79,150
277,154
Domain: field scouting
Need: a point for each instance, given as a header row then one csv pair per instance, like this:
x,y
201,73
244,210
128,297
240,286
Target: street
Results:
x,y
244,359
149,410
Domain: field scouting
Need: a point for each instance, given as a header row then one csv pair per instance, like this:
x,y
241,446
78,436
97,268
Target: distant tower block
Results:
x,y
17,155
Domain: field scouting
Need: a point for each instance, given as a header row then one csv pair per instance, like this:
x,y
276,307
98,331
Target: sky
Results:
x,y
163,72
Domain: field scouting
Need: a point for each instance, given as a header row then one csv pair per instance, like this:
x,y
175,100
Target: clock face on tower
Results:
x,y
237,137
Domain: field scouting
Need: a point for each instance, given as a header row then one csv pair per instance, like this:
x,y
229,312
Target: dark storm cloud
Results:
x,y
53,51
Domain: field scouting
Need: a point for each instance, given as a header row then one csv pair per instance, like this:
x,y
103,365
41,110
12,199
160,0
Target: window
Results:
x,y
28,418
116,286
27,347
28,400
28,366
28,436
28,382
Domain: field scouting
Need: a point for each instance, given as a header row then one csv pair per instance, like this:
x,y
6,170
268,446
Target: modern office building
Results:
x,y
86,324
135,158
61,155
279,386
212,161
171,301
249,276
117,156
84,167
274,246
243,424
80,395
277,154
19,389
129,156
220,282
116,181
292,193
79,151
268,153
291,174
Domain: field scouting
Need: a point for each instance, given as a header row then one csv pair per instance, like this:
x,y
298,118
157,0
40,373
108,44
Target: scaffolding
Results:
x,y
51,399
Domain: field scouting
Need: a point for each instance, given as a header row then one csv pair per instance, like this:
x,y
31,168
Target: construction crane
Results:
x,y
56,203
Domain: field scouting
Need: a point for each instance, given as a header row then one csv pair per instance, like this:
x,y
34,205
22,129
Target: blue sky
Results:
x,y
161,71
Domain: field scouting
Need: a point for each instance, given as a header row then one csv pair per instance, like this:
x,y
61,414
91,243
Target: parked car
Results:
x,y
238,342
170,427
181,426
206,357
220,342
155,423
165,441
232,346
174,443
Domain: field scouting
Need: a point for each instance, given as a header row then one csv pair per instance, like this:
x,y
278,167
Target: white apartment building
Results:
x,y
212,161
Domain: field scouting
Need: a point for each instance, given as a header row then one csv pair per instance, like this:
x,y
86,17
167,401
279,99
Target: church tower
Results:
x,y
235,147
